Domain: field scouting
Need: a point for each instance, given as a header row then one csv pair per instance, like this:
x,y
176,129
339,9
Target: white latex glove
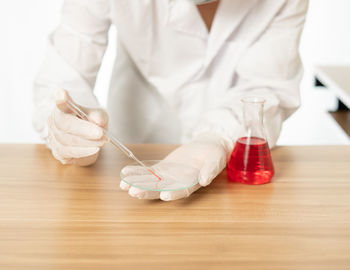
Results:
x,y
208,153
71,139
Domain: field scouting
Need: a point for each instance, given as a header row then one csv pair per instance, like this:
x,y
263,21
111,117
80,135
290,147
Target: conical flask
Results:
x,y
250,161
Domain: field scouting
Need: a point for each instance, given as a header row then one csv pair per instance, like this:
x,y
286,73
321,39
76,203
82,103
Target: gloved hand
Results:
x,y
208,153
71,139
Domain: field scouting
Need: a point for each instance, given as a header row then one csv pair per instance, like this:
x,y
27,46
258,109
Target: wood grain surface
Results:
x,y
66,217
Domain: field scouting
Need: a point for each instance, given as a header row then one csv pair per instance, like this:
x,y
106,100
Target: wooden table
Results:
x,y
65,217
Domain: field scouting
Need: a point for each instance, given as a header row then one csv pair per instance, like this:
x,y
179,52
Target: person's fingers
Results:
x,y
59,158
212,166
68,152
139,175
96,116
146,181
178,194
61,98
71,124
56,152
124,186
143,194
85,161
76,152
52,146
134,170
208,174
73,140
149,195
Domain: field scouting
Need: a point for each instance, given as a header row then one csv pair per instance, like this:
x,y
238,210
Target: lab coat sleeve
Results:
x,y
73,58
270,67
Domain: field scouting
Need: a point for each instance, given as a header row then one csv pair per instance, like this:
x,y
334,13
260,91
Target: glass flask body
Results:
x,y
250,161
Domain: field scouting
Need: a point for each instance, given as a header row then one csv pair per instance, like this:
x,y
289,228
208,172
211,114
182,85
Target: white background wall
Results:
x,y
325,41
24,26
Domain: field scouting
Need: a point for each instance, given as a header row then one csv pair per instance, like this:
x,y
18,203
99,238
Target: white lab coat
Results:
x,y
172,79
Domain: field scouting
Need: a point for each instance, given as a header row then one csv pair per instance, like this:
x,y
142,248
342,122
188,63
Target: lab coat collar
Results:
x,y
184,17
227,20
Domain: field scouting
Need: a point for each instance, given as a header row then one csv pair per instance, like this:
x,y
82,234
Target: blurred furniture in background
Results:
x,y
337,79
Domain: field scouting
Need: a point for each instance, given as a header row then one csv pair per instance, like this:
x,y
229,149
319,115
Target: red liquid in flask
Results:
x,y
250,162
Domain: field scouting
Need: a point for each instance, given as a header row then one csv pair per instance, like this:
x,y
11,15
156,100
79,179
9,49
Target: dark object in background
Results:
x,y
342,114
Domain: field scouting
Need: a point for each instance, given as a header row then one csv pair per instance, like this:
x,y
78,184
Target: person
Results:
x,y
181,69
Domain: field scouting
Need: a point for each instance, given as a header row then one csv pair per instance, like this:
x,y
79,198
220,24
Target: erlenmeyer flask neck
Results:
x,y
253,117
